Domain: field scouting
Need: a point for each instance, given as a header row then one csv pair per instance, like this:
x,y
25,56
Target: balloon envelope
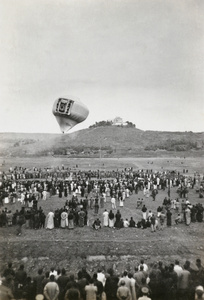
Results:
x,y
69,112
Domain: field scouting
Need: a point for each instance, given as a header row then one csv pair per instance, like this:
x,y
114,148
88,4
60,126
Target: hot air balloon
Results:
x,y
69,112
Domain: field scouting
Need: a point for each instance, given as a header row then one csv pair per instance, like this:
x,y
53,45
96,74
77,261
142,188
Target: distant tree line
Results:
x,y
110,123
80,150
173,145
101,123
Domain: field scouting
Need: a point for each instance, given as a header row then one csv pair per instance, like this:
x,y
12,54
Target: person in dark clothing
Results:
x,y
20,222
84,274
29,290
155,283
62,282
35,204
38,282
168,216
14,219
96,206
3,219
36,221
19,281
42,218
57,218
143,224
27,219
82,282
9,271
199,214
117,220
46,279
132,222
111,286
71,283
60,193
72,294
96,224
111,219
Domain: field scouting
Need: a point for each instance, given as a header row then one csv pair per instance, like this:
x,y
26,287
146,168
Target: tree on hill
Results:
x,y
110,123
130,124
101,123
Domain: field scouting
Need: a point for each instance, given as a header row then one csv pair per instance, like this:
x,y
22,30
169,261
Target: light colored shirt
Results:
x,y
178,269
123,293
51,290
144,298
101,277
91,292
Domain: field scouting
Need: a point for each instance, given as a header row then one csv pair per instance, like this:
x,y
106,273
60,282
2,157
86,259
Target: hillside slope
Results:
x,y
110,140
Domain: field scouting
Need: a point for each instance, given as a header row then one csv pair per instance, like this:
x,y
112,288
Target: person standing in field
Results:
x,y
168,218
144,212
188,215
111,219
44,195
91,290
96,205
105,218
153,223
123,292
82,216
51,289
20,222
121,202
50,220
113,202
64,219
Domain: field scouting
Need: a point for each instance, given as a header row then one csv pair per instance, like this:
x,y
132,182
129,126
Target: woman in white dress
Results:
x,y
50,220
123,195
127,191
121,202
105,218
64,219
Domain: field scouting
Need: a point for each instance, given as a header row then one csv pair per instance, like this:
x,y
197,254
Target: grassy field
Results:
x,y
192,164
108,247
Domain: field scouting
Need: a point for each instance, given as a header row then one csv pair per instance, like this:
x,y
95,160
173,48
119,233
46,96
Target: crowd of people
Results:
x,y
157,281
85,191
75,213
25,185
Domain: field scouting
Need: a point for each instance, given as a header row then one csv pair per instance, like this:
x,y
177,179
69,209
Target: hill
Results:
x,y
107,141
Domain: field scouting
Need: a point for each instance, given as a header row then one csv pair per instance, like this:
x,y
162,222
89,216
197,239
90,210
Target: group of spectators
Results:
x,y
75,213
158,281
26,185
89,192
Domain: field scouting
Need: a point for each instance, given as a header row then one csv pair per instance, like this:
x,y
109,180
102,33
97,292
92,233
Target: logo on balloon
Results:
x,y
64,106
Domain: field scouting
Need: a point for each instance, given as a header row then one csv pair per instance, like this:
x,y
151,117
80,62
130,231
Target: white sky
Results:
x,y
142,60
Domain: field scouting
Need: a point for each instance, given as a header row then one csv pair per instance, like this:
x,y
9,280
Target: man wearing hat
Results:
x,y
145,292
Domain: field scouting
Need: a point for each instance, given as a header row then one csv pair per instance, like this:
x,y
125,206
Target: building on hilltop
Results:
x,y
118,121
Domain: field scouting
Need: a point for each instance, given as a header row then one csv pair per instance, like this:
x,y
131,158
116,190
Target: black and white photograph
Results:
x,y
101,150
